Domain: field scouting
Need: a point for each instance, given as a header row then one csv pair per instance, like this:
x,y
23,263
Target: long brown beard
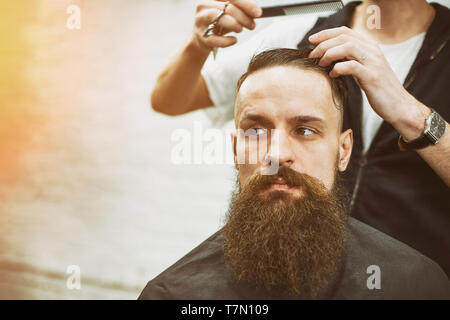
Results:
x,y
281,242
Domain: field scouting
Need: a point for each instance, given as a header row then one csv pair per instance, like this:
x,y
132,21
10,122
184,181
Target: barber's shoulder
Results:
x,y
405,272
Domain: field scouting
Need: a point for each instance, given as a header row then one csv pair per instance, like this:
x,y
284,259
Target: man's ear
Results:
x,y
234,146
345,149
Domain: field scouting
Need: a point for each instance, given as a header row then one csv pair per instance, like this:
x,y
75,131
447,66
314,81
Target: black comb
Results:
x,y
301,7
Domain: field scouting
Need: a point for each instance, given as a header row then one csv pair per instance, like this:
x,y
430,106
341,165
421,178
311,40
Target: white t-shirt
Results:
x,y
400,56
221,75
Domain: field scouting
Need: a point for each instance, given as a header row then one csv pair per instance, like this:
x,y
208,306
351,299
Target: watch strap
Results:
x,y
418,143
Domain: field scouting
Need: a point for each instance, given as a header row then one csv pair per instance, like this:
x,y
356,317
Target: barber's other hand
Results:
x,y
367,64
238,15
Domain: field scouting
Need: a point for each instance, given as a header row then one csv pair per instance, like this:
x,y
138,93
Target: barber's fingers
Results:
x,y
343,43
244,15
243,18
227,22
239,14
326,45
333,33
249,7
215,41
364,60
347,68
232,10
348,50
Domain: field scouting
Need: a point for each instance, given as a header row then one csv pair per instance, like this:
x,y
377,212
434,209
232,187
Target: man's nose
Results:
x,y
280,149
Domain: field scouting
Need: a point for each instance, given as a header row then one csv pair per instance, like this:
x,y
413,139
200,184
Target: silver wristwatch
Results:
x,y
434,130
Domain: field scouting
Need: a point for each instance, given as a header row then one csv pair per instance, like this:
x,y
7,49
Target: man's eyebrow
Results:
x,y
256,118
306,119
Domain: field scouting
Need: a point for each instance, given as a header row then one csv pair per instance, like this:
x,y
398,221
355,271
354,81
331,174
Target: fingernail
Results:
x,y
312,37
313,54
257,12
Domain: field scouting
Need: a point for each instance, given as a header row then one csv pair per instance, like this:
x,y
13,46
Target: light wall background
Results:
x,y
86,176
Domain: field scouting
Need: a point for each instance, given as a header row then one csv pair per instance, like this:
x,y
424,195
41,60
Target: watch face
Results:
x,y
436,128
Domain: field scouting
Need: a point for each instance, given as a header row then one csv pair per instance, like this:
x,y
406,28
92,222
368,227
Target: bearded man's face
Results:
x,y
287,228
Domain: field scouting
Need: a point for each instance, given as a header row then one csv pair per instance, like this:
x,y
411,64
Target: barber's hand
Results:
x,y
238,15
367,64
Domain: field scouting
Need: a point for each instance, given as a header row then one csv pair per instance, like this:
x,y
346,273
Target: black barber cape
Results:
x,y
404,273
393,191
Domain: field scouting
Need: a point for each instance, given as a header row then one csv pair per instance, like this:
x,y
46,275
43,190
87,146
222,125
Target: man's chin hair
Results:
x,y
279,241
277,196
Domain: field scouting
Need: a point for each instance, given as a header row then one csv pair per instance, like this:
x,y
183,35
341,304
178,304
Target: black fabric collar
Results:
x,y
437,34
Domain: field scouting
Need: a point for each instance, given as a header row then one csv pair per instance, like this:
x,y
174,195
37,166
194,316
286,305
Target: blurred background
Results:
x,y
86,176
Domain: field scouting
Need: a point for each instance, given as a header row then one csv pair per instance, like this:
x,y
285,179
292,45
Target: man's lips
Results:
x,y
277,186
281,184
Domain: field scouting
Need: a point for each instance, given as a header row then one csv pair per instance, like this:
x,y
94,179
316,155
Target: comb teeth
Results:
x,y
304,7
314,8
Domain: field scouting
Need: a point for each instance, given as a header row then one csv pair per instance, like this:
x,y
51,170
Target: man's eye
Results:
x,y
304,131
256,131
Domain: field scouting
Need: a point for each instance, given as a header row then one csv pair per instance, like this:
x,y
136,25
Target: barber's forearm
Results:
x,y
177,88
438,156
412,125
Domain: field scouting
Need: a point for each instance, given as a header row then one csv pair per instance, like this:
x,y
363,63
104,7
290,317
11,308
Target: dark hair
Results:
x,y
297,58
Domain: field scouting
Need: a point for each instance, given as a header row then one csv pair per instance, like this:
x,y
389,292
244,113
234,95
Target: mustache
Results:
x,y
258,182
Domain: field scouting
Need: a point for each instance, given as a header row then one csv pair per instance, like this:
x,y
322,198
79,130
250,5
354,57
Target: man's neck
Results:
x,y
400,19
